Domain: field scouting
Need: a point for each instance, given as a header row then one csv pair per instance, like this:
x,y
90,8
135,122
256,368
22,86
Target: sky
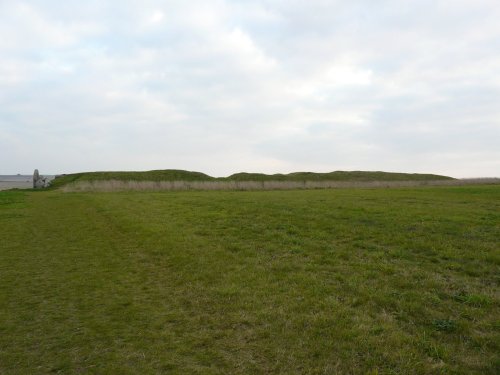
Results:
x,y
273,86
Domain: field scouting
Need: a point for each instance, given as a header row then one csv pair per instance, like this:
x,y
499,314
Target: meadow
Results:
x,y
332,281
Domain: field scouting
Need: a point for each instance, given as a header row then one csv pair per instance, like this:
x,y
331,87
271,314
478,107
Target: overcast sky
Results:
x,y
271,86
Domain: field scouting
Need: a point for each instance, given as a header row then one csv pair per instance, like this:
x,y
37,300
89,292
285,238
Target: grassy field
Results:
x,y
347,281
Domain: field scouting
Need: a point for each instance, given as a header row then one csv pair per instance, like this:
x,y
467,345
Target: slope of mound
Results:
x,y
337,176
181,175
156,175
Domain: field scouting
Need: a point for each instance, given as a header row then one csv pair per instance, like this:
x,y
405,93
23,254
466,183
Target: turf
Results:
x,y
348,281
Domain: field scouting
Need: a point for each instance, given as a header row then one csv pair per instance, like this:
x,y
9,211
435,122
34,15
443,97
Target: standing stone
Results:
x,y
39,181
36,177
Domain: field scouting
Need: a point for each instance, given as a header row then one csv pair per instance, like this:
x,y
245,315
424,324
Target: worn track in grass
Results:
x,y
296,282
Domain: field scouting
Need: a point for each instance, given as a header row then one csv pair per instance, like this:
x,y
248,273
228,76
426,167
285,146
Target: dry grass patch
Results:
x,y
135,185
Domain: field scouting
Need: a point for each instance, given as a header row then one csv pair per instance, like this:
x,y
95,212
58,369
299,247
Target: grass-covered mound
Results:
x,y
156,175
338,176
181,175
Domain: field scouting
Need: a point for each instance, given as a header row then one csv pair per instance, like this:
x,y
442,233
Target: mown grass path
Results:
x,y
291,282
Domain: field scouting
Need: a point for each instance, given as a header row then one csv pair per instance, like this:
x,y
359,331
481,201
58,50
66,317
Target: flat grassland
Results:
x,y
347,281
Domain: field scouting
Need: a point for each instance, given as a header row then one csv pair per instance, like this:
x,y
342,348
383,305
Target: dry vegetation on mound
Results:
x,y
132,185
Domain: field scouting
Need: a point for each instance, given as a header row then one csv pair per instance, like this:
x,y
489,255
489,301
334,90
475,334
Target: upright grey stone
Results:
x,y
40,181
36,177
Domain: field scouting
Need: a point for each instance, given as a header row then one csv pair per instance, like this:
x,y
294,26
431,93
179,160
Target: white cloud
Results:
x,y
222,86
157,17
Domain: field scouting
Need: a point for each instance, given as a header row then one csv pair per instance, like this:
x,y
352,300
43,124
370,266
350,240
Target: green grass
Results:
x,y
348,281
181,175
